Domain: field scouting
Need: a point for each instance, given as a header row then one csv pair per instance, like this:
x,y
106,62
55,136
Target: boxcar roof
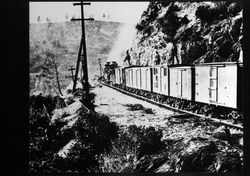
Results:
x,y
218,63
133,66
180,65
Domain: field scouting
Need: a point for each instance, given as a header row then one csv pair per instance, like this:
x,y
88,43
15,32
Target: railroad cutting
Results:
x,y
163,94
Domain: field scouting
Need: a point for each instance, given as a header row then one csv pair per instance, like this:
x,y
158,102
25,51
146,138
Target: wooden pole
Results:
x,y
82,51
84,60
100,66
77,66
57,78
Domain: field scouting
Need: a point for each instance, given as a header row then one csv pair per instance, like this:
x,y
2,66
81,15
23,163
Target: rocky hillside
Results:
x,y
189,32
58,44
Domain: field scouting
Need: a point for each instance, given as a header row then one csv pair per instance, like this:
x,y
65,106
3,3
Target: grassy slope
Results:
x,y
63,39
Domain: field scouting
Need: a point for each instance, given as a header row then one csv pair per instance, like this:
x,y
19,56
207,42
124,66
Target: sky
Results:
x,y
125,12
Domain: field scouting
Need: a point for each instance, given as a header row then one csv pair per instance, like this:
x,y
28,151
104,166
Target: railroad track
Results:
x,y
229,125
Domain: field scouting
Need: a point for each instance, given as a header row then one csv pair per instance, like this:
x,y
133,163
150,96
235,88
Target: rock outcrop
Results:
x,y
189,32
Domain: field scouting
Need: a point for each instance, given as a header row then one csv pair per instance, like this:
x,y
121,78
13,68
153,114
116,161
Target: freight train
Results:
x,y
218,84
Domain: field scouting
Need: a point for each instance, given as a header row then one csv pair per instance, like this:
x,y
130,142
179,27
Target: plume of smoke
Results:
x,y
124,42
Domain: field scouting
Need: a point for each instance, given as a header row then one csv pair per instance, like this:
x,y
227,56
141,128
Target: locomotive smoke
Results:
x,y
124,42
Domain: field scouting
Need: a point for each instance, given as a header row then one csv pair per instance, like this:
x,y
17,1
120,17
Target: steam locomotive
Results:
x,y
218,84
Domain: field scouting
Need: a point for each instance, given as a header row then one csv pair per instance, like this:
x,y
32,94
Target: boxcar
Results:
x,y
160,79
137,77
129,80
118,75
112,78
146,77
164,80
123,77
133,75
181,82
217,84
130,73
156,79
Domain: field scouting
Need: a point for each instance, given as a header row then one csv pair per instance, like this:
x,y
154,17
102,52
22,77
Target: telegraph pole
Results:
x,y
99,60
82,54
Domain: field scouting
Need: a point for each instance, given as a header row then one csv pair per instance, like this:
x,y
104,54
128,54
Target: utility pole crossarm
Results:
x,y
78,19
81,3
100,66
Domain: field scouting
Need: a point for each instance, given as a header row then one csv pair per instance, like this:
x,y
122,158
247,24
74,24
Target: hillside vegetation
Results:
x,y
58,44
189,32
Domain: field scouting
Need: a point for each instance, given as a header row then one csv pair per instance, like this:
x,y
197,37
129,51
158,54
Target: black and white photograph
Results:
x,y
135,87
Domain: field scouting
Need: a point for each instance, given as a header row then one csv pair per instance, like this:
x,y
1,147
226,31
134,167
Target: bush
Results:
x,y
200,159
195,52
139,27
234,8
150,141
225,49
208,14
122,156
170,21
228,162
86,101
47,103
94,134
96,130
46,139
132,144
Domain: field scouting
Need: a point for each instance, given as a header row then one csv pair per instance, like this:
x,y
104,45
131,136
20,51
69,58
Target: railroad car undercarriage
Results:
x,y
208,110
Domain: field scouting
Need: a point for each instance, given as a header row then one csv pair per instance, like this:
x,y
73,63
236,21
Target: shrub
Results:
x,y
199,159
196,51
208,14
150,142
46,139
132,144
202,12
122,156
228,162
225,49
94,134
47,103
170,21
139,27
234,8
165,3
96,130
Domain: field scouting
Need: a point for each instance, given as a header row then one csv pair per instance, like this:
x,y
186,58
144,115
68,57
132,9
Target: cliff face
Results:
x,y
189,32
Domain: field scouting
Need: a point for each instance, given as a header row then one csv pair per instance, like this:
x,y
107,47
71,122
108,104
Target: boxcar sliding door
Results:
x,y
213,72
164,80
227,86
